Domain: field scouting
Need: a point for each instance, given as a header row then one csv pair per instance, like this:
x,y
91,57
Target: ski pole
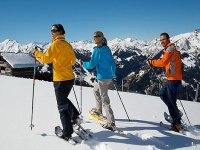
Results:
x,y
32,125
76,99
81,88
80,71
121,101
185,113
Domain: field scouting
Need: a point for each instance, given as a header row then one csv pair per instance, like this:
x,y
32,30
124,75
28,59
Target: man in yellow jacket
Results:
x,y
61,54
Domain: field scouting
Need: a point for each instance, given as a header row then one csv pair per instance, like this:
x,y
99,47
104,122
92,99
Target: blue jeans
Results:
x,y
168,94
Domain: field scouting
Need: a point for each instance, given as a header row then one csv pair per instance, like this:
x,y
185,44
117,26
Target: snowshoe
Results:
x,y
94,114
59,133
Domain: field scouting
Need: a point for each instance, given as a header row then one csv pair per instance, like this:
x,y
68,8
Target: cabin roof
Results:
x,y
19,60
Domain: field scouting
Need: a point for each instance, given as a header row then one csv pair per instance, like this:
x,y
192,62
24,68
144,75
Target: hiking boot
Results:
x,y
94,111
177,127
109,126
67,138
77,121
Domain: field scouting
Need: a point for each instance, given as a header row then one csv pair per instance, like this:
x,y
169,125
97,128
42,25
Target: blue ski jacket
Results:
x,y
103,61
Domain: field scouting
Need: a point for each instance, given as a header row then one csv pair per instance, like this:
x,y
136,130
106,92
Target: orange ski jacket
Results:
x,y
171,61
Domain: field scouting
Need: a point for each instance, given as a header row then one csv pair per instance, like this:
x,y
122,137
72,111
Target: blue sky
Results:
x,y
29,21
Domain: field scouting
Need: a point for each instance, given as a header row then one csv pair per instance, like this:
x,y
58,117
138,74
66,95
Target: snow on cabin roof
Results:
x,y
19,60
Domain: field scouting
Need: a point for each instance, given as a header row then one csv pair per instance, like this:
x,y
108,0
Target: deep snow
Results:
x,y
143,131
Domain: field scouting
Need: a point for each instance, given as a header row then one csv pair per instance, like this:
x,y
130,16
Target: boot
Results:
x,y
77,121
177,127
109,126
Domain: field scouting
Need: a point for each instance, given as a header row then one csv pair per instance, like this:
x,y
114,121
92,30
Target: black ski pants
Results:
x,y
67,110
168,94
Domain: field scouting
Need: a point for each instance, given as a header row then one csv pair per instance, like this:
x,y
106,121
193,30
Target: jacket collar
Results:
x,y
59,37
168,45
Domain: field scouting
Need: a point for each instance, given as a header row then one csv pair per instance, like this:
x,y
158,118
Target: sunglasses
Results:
x,y
54,30
97,36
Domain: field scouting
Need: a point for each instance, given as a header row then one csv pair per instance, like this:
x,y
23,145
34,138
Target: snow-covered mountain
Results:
x,y
131,54
187,43
143,131
15,47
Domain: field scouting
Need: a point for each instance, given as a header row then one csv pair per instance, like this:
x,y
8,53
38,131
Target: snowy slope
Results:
x,y
144,131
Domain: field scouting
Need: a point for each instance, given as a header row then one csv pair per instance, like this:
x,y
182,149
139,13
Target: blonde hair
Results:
x,y
103,41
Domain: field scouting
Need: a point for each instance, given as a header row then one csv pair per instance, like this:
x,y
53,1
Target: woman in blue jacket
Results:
x,y
104,63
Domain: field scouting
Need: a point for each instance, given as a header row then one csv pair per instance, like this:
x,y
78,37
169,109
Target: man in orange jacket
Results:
x,y
173,66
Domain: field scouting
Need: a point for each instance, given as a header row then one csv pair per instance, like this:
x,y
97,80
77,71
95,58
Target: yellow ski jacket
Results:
x,y
61,54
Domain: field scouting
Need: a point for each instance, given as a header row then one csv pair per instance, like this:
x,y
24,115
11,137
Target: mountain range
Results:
x,y
130,55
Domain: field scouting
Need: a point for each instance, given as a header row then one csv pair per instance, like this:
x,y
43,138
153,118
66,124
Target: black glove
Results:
x,y
36,48
39,48
114,80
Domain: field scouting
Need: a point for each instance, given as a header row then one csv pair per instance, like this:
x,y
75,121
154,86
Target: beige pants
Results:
x,y
102,99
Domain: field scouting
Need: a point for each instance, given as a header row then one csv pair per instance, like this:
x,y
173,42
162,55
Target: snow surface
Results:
x,y
143,132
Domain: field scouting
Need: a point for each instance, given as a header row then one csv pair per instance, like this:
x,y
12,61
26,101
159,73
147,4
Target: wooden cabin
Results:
x,y
17,64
